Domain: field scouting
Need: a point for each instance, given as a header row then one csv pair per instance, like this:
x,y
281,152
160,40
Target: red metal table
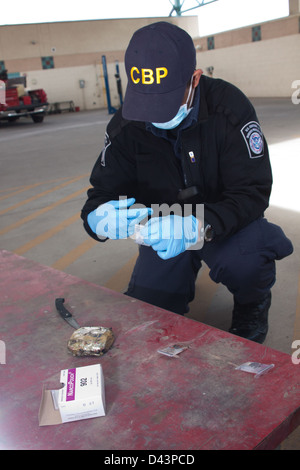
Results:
x,y
195,401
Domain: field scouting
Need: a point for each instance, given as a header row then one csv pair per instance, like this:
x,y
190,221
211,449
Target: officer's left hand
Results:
x,y
114,220
171,235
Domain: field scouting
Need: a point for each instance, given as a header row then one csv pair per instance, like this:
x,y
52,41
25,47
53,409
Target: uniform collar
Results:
x,y
203,108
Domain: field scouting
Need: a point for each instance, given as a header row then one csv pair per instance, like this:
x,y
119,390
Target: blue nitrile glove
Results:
x,y
114,220
171,235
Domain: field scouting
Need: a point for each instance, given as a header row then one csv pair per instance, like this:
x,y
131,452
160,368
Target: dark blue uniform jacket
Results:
x,y
224,162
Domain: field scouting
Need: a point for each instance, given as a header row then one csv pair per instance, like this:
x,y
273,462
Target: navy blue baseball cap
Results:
x,y
159,61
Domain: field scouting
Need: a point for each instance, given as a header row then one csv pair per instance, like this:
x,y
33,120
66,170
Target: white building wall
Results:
x,y
261,69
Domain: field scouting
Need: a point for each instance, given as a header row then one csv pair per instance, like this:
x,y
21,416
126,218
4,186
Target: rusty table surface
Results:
x,y
198,400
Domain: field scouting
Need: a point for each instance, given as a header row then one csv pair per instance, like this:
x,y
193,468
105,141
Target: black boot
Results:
x,y
251,320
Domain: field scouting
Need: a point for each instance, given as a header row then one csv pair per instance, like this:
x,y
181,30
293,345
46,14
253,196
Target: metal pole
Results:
x,y
111,109
119,83
177,7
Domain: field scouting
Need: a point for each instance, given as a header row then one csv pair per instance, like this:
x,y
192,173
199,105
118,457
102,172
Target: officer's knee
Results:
x,y
247,273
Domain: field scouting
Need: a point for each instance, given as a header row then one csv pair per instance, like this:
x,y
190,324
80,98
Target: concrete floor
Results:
x,y
45,172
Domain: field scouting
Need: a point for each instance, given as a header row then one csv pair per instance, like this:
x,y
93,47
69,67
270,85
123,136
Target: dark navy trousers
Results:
x,y
244,263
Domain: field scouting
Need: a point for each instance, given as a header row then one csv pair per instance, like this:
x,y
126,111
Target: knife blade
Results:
x,y
65,314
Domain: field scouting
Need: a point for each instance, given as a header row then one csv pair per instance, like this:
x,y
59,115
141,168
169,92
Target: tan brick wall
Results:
x,y
269,30
262,68
77,38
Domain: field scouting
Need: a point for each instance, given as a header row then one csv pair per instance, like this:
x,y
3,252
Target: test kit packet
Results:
x,y
81,396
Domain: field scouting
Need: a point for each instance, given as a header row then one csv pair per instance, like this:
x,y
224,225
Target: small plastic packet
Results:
x,y
256,368
172,351
139,239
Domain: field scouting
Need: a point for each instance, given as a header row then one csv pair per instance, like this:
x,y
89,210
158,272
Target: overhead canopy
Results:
x,y
190,5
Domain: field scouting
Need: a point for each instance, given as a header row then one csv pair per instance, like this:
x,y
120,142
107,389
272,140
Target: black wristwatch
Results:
x,y
208,233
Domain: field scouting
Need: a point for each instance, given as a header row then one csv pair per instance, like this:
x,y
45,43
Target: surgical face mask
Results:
x,y
180,116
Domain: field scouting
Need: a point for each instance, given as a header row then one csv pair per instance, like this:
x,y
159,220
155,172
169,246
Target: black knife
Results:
x,y
65,314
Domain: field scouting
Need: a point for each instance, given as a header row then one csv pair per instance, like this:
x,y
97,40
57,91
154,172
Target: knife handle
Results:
x,y
59,303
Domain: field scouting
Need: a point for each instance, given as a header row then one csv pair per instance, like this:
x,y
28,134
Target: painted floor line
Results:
x,y
36,214
46,235
119,281
62,263
50,130
44,193
20,189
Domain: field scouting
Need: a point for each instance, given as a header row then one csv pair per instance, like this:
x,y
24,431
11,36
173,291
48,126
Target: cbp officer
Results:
x,y
182,141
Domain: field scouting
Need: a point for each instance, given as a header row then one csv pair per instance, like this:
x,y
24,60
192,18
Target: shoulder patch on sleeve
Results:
x,y
254,139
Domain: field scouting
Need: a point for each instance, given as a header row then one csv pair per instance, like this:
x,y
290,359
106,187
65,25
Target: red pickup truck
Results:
x,y
17,102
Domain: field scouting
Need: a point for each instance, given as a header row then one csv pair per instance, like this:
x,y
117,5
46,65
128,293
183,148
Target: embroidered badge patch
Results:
x,y
254,139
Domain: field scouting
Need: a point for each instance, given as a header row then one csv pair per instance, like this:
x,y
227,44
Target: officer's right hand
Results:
x,y
114,220
171,235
